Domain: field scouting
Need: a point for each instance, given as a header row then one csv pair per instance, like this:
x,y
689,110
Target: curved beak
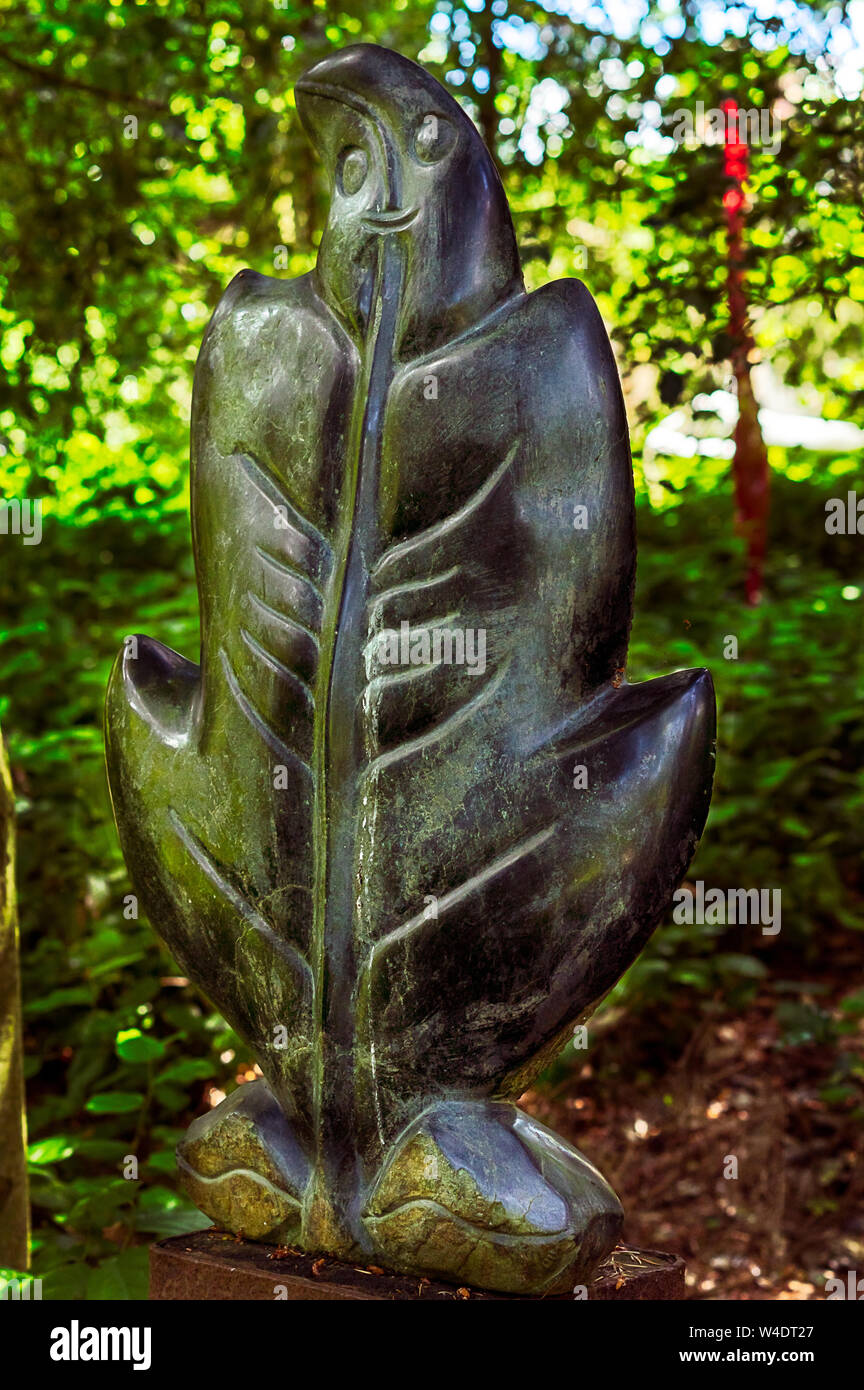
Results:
x,y
360,78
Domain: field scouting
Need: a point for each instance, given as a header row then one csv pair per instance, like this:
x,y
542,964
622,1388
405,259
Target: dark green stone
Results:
x,y
388,877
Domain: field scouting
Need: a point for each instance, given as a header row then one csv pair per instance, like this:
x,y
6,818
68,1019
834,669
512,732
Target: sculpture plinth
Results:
x,y
211,1266
406,823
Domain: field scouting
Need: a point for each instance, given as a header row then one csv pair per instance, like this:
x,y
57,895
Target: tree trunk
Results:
x,y
14,1206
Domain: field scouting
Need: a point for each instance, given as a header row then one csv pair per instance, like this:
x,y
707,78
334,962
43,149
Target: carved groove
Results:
x,y
258,722
241,905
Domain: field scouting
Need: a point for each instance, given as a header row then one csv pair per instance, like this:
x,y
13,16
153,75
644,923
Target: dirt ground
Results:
x,y
787,1116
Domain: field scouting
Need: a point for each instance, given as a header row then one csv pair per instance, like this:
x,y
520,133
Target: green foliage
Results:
x,y
117,244
789,792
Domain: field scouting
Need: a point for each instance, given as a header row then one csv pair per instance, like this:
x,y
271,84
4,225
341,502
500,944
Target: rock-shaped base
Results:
x,y
243,1168
474,1191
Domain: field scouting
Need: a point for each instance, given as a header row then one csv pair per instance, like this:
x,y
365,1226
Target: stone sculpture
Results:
x,y
402,877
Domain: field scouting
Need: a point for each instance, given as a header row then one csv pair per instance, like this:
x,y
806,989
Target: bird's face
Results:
x,y
408,168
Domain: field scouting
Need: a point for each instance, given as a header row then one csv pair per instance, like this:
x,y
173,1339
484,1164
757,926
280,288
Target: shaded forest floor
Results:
x,y
781,1095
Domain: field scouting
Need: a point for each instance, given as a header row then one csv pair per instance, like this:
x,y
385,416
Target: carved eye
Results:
x,y
433,138
353,166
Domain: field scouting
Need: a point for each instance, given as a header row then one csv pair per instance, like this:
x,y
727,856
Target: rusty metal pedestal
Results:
x,y
210,1265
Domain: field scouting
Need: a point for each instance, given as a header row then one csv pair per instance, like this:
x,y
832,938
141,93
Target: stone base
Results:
x,y
210,1265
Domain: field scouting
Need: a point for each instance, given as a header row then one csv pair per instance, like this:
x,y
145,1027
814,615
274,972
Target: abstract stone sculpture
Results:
x,y
403,879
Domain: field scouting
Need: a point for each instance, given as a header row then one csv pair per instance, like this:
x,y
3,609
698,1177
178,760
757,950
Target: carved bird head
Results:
x,y
417,213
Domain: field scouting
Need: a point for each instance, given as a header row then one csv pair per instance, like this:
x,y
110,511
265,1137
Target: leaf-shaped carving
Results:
x,y
386,875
